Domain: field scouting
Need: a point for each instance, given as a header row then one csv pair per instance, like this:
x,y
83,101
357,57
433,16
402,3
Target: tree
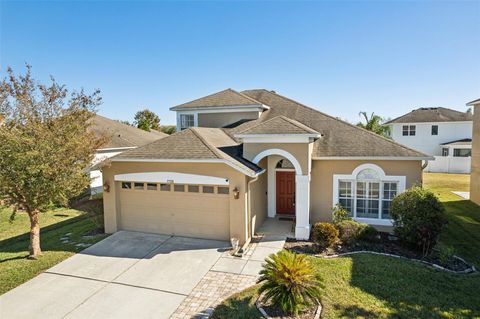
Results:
x,y
124,122
46,147
168,129
147,120
375,124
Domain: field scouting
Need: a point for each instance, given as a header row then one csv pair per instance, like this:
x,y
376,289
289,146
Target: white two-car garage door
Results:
x,y
176,209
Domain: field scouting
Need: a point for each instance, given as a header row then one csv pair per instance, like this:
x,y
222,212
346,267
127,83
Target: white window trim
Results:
x,y
401,180
171,177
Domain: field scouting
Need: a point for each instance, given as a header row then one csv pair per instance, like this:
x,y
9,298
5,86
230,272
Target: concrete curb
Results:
x,y
265,315
436,266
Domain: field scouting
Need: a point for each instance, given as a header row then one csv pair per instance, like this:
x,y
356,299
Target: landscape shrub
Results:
x,y
418,218
325,234
340,214
290,281
351,231
446,255
369,233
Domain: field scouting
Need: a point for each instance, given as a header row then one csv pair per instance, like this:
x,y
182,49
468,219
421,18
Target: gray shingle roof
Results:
x,y
120,135
339,138
433,114
226,97
279,125
195,143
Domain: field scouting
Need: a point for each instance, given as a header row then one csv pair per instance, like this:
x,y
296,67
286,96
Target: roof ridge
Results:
x,y
212,148
246,96
349,124
219,92
297,123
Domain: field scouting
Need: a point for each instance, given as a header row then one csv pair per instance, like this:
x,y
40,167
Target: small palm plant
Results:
x,y
290,281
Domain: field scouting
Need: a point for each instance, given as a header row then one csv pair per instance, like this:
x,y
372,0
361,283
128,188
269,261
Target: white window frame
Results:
x,y
182,121
382,177
409,129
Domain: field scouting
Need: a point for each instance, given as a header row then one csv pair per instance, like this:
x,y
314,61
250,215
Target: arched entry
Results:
x,y
302,189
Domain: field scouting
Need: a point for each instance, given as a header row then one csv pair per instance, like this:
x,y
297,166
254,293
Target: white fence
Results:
x,y
449,164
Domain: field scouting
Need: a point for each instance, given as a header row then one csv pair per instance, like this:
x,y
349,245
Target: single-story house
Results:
x,y
475,174
240,157
120,137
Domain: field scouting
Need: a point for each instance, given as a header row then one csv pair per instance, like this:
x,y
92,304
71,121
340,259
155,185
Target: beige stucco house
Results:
x,y
241,157
475,174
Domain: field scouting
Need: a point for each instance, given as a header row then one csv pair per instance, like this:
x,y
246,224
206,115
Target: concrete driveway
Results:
x,y
127,275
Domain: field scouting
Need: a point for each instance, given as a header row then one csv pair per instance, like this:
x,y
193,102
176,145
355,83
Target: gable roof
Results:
x,y
223,98
279,125
121,135
432,114
339,138
194,144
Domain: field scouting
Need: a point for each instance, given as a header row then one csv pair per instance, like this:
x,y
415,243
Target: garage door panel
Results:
x,y
175,213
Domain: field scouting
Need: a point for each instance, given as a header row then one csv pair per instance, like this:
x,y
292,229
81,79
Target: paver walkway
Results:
x,y
232,274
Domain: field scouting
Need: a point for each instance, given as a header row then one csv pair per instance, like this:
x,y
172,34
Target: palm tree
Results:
x,y
374,123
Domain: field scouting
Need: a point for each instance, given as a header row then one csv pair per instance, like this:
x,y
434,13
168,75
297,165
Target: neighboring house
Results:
x,y
268,156
443,133
475,175
120,137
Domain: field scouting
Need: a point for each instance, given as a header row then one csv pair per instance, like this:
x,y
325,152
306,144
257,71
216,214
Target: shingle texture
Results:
x,y
339,138
226,97
195,143
121,135
433,114
279,125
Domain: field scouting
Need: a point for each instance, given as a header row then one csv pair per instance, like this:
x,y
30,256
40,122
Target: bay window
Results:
x,y
367,193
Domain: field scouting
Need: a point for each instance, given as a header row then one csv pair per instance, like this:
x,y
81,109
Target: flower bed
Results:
x,y
385,244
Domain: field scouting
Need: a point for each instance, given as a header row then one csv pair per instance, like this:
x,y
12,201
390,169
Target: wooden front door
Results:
x,y
285,192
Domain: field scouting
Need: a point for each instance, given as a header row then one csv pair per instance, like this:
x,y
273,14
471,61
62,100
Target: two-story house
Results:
x,y
443,133
242,157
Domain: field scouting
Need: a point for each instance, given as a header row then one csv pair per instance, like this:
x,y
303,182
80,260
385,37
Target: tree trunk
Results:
x,y
35,250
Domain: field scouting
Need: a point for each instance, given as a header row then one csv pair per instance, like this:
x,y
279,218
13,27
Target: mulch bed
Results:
x,y
277,313
384,243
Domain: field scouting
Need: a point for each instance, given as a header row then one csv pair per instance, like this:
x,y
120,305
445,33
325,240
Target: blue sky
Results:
x,y
339,57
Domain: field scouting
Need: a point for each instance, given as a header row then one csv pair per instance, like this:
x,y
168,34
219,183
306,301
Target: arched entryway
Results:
x,y
285,171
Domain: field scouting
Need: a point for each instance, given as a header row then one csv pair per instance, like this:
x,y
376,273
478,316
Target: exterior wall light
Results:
x,y
106,187
236,193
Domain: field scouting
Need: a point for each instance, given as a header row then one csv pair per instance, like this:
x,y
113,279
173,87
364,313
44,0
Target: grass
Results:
x,y
15,269
370,286
463,230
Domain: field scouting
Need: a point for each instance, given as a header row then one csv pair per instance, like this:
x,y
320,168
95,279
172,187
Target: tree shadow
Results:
x,y
50,235
411,290
239,306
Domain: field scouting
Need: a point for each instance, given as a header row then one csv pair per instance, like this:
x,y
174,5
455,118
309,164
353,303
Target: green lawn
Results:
x,y
463,230
15,269
369,286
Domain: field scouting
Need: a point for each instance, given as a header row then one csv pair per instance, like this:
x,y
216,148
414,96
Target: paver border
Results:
x,y
469,270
